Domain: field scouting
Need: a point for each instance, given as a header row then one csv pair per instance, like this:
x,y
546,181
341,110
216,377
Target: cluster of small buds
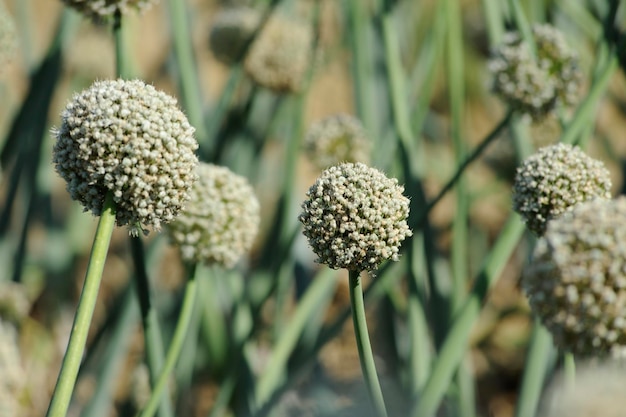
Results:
x,y
280,55
536,85
8,36
576,281
597,391
127,138
355,217
337,139
554,180
220,221
231,31
104,9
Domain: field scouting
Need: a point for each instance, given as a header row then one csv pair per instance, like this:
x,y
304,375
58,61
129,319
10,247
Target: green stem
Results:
x,y
153,339
569,369
523,26
121,63
188,78
366,357
454,347
176,345
537,362
78,337
494,134
494,20
321,288
362,64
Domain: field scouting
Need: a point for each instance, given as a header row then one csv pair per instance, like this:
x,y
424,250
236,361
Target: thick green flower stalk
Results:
x,y
536,85
231,30
576,281
337,139
355,218
220,221
554,180
105,9
280,55
127,138
598,391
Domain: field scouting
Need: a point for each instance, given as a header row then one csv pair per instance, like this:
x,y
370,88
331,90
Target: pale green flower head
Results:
x,y
132,140
355,217
536,86
280,55
220,221
576,281
104,9
554,180
231,30
337,139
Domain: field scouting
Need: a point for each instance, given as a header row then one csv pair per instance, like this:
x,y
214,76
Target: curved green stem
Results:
x,y
569,368
363,344
176,345
84,312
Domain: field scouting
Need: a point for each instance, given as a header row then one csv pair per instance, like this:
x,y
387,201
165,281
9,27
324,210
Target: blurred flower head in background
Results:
x,y
597,391
536,85
576,281
355,217
280,55
554,180
127,138
103,9
220,221
231,30
337,139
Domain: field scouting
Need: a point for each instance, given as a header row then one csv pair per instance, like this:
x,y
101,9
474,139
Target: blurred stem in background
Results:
x,y
173,353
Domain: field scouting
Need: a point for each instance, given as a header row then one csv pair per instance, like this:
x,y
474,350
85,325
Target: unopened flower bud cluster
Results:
x,y
576,282
231,30
102,9
280,55
220,221
337,139
554,180
536,85
355,217
127,138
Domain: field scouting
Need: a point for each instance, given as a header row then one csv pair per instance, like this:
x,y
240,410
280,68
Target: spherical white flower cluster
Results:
x,y
231,30
127,138
535,85
576,281
554,180
280,55
102,9
336,139
220,221
355,217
